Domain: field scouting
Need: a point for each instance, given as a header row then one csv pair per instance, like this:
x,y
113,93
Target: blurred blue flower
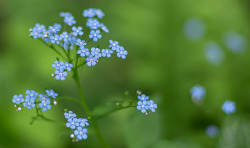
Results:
x,y
45,105
212,131
31,94
60,74
18,99
198,93
55,29
77,31
69,20
93,23
89,12
106,52
43,97
142,106
91,61
151,105
65,14
68,66
95,52
213,53
59,65
51,93
83,52
29,103
80,42
142,97
121,53
229,107
69,115
194,29
95,35
72,123
55,39
104,28
81,133
113,45
235,42
83,122
99,13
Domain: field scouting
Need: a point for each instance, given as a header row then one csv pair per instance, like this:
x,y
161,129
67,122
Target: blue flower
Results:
x,y
45,105
106,52
91,61
83,122
197,92
51,93
95,35
212,131
18,99
121,53
65,14
151,105
68,66
142,97
214,53
66,37
69,115
55,39
104,28
93,23
89,12
235,42
60,74
83,52
142,106
54,29
99,13
80,42
194,29
77,30
59,65
43,97
229,107
38,31
113,44
81,133
31,94
29,103
96,52
72,123
69,20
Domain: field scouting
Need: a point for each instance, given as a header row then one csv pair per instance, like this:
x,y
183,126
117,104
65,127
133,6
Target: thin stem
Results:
x,y
112,111
98,134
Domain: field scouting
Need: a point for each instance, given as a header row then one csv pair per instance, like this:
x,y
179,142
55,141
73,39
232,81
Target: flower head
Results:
x,y
89,12
51,93
81,133
80,43
91,61
142,106
55,39
83,122
77,31
197,92
151,105
72,123
106,52
31,94
69,20
212,131
69,115
59,65
95,35
83,51
229,107
121,53
60,74
29,103
45,105
142,97
113,44
93,23
104,28
68,66
95,52
18,99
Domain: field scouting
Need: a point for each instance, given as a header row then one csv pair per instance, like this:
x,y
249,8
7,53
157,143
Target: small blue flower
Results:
x,y
69,115
96,52
198,92
31,94
91,61
51,93
95,35
83,52
18,99
142,106
68,66
54,29
66,37
235,42
55,39
121,53
59,65
212,131
65,14
93,23
43,97
99,13
80,42
72,123
29,103
83,122
89,12
214,53
77,30
113,45
106,52
45,105
60,74
229,107
151,105
81,133
194,29
142,97
69,20
104,28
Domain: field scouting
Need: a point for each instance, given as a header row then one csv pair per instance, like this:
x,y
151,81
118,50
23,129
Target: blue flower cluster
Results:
x,y
61,69
145,105
198,93
229,107
34,99
78,125
212,131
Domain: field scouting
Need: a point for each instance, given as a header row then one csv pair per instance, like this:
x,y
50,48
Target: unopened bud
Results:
x,y
138,92
52,75
77,140
30,29
146,113
15,105
55,102
72,136
19,109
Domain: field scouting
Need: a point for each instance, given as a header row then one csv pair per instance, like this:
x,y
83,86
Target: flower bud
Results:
x,y
55,102
72,136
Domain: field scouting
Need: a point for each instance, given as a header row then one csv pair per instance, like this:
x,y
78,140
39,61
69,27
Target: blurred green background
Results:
x,y
162,62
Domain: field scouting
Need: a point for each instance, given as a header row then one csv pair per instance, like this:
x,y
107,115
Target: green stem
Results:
x,y
98,134
112,111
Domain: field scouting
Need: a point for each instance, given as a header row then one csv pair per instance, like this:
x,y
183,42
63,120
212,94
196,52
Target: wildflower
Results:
x,y
51,93
89,12
229,107
69,20
77,31
72,123
142,106
54,29
104,28
198,93
96,52
83,51
31,94
194,29
80,42
65,14
60,74
66,37
29,103
69,115
81,133
235,42
212,131
99,13
91,61
106,52
55,39
43,97
113,44
68,66
95,35
59,65
214,53
151,105
121,53
83,122
18,99
45,105
93,23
